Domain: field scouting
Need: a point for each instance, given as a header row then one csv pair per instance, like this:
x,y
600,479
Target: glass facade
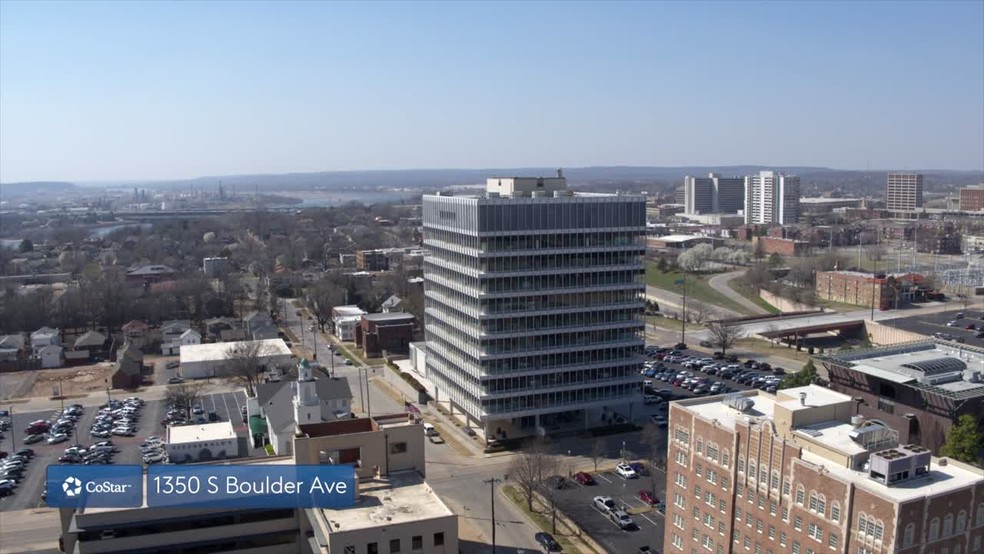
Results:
x,y
534,305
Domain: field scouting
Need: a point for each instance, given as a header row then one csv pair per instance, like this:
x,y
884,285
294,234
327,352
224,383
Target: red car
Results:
x,y
648,497
970,326
584,478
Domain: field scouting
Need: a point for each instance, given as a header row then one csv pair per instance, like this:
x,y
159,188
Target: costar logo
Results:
x,y
72,487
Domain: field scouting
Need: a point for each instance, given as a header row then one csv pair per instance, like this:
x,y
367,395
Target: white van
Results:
x,y
429,430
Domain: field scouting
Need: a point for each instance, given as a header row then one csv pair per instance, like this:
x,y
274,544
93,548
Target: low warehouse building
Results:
x,y
199,361
200,443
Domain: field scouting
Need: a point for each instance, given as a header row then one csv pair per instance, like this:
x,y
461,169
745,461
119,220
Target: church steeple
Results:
x,y
306,405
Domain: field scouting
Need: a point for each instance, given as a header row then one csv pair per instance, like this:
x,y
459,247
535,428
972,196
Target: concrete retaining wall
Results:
x,y
783,304
881,334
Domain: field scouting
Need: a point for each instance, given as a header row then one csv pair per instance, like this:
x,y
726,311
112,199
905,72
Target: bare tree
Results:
x,y
322,299
527,470
598,452
771,330
698,313
245,363
725,334
655,441
550,466
185,396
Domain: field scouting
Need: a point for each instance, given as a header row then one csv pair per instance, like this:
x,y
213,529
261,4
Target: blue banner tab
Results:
x,y
251,486
79,486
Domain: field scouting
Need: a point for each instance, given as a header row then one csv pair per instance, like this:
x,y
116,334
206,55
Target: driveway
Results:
x,y
721,283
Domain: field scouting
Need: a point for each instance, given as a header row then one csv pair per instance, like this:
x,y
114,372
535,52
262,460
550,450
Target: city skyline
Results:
x,y
161,91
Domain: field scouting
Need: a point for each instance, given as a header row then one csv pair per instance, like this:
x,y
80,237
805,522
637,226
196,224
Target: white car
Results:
x,y
625,471
621,519
154,458
57,438
604,504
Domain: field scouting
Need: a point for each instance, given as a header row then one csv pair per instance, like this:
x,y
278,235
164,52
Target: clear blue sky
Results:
x,y
143,90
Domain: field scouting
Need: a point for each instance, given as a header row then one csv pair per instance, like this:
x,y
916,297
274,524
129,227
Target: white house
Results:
x,y
50,356
206,441
171,331
189,337
44,336
344,319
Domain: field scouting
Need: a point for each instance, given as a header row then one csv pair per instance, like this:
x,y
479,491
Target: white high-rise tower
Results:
x,y
771,197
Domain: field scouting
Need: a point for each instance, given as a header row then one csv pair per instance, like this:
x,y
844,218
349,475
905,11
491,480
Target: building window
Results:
x,y
439,539
796,547
696,512
699,469
394,546
725,458
909,535
721,528
725,482
677,541
700,446
681,480
349,549
772,532
800,494
785,487
740,489
774,483
961,522
759,526
815,532
678,500
747,543
798,523
417,542
822,505
697,492
712,477
722,506
980,514
372,548
863,524
813,501
398,448
785,514
741,463
681,436
948,525
681,458
832,541
712,452
678,521
782,538
773,507
835,511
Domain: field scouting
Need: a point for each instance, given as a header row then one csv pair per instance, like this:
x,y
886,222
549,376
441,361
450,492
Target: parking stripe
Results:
x,y
226,404
606,479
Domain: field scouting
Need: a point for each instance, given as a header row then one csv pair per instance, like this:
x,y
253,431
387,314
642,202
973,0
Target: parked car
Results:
x,y
603,504
555,482
175,381
625,471
648,497
659,421
547,541
584,478
57,438
621,519
639,467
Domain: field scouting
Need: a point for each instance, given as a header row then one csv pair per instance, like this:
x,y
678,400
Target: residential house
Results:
x,y
10,347
45,336
146,274
171,332
260,326
129,368
392,304
50,356
135,332
390,333
93,342
344,319
173,348
224,329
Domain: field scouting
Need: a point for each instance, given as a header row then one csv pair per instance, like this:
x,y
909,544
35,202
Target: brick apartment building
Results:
x,y
799,473
371,260
972,199
392,332
783,247
867,289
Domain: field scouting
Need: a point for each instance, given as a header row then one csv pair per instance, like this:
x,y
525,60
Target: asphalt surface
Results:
x,y
930,324
576,500
28,492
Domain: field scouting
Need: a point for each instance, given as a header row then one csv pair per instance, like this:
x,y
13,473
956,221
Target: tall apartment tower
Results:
x,y
772,197
799,472
904,192
713,194
533,304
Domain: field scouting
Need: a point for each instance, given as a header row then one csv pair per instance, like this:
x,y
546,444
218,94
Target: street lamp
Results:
x,y
491,483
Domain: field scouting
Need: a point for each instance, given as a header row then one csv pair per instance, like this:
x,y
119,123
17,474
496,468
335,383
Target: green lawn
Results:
x,y
697,287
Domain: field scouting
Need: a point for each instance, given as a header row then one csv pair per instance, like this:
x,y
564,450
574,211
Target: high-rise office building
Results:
x,y
904,192
772,197
713,194
533,303
799,472
972,198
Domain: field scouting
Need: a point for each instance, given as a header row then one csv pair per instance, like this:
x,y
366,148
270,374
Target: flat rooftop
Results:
x,y
832,433
181,434
210,352
943,365
403,497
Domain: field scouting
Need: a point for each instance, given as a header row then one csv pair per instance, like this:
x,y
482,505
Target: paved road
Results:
x,y
667,299
722,284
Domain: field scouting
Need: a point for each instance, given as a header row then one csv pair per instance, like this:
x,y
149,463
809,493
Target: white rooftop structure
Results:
x,y
402,498
220,350
180,434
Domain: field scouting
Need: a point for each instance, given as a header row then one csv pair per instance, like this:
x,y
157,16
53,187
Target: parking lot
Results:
x,y
226,405
930,324
576,500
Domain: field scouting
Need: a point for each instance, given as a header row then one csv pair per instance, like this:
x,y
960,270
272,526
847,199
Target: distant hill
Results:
x,y
815,180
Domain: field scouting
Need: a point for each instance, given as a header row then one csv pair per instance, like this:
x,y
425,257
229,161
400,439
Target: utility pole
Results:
x,y
491,483
683,328
13,432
